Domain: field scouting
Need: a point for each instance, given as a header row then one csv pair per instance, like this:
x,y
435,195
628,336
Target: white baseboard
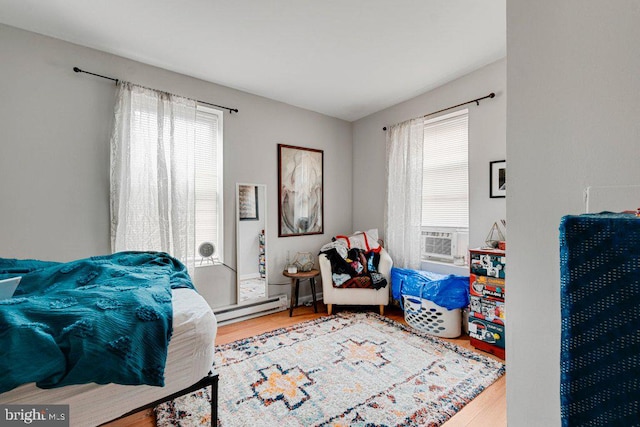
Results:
x,y
305,299
238,313
248,311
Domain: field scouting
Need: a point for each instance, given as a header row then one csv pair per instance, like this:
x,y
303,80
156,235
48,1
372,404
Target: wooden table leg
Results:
x,y
313,293
294,296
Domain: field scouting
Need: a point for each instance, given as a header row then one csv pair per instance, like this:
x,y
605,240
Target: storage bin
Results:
x,y
484,330
488,263
483,286
431,318
446,290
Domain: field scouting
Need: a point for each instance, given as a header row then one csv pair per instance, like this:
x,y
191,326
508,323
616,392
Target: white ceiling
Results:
x,y
343,58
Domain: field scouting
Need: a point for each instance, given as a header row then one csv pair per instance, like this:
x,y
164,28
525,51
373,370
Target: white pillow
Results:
x,y
372,233
363,240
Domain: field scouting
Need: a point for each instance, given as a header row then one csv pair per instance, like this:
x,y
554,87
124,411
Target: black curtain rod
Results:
x,y
231,110
477,101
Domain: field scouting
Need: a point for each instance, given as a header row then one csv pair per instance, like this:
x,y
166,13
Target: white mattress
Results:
x,y
189,359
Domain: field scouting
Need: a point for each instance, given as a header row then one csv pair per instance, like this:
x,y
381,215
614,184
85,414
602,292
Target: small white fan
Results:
x,y
206,251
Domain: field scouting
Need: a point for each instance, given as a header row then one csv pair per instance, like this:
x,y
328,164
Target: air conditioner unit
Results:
x,y
444,244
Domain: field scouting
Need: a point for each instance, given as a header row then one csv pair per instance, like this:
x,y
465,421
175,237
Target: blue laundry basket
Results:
x,y
432,302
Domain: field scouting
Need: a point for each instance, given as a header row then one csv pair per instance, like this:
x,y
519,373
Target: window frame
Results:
x,y
456,229
218,257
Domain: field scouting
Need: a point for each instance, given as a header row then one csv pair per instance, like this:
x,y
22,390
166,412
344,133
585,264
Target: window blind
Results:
x,y
445,175
208,169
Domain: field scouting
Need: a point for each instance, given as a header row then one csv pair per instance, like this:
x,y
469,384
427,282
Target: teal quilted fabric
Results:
x,y
105,319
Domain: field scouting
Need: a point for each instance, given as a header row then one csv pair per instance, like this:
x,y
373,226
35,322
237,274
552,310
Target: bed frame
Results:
x,y
210,380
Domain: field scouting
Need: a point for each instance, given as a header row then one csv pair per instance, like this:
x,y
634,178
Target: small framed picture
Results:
x,y
498,179
248,202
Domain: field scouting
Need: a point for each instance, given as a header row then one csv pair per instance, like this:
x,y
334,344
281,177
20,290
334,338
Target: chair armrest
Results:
x,y
325,270
385,264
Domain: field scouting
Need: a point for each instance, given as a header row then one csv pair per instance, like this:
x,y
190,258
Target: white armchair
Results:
x,y
355,296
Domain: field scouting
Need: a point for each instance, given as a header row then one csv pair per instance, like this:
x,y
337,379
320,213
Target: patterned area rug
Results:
x,y
355,369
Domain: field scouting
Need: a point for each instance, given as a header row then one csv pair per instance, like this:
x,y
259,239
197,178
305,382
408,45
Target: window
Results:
x,y
166,174
445,186
208,169
208,163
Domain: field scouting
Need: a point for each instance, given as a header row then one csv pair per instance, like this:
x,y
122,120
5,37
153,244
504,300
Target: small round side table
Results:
x,y
295,286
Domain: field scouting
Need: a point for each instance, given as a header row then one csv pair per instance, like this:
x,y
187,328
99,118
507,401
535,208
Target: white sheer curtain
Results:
x,y
403,208
153,173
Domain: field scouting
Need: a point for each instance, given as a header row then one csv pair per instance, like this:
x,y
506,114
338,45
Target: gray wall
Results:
x,y
54,155
487,142
573,121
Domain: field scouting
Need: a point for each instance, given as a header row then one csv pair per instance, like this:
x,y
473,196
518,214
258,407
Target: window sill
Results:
x,y
444,267
207,263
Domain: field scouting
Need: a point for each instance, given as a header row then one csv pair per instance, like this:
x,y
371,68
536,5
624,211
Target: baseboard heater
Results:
x,y
242,312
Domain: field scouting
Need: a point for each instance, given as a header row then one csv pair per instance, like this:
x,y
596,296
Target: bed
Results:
x,y
189,358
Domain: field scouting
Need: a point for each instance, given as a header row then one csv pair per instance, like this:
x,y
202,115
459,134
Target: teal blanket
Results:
x,y
105,319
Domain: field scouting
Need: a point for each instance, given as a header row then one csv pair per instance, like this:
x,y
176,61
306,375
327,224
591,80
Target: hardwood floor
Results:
x,y
488,409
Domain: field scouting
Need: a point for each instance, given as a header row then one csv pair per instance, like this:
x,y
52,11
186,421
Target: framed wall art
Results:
x,y
498,179
248,202
300,191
